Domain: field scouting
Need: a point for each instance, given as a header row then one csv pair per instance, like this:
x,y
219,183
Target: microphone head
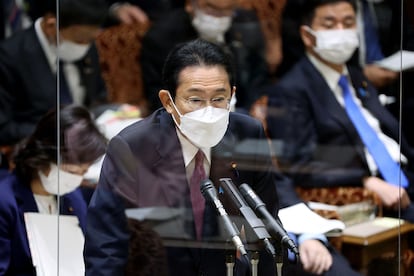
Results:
x,y
206,186
244,189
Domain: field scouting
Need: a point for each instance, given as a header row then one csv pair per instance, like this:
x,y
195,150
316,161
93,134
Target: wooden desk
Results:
x,y
367,241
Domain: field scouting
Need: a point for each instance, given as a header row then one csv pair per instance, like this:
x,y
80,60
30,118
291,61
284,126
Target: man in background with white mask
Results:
x,y
33,60
322,110
214,21
153,163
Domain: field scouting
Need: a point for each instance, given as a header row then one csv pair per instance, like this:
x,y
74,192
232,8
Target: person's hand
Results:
x,y
314,256
379,76
391,196
128,14
274,54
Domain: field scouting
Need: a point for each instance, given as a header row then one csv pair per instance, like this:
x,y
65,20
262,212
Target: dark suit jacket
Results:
x,y
16,198
321,147
28,86
144,167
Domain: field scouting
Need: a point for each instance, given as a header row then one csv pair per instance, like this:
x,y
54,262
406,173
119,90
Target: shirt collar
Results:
x,y
189,150
48,48
331,76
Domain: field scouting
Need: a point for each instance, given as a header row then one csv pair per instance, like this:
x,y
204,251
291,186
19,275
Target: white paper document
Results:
x,y
299,219
56,244
110,123
401,60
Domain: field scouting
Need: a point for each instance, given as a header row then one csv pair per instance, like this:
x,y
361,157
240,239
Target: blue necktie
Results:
x,y
389,169
373,49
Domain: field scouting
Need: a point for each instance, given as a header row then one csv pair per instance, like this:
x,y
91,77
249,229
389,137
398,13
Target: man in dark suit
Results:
x,y
323,143
151,164
217,21
306,112
29,66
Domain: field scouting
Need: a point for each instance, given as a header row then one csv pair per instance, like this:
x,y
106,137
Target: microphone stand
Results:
x,y
279,258
230,262
254,262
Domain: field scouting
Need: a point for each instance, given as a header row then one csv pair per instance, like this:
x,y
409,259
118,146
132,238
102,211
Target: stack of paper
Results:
x,y
299,219
56,244
401,60
373,227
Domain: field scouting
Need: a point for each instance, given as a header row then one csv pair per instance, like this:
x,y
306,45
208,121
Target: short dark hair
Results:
x,y
308,8
76,12
194,53
80,141
147,255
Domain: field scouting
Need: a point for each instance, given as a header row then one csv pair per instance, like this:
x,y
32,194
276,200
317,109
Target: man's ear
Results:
x,y
233,91
49,25
307,38
166,100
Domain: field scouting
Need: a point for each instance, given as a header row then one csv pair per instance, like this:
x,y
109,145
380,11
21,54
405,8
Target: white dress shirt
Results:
x,y
332,78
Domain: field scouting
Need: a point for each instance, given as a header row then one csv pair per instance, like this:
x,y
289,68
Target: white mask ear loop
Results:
x,y
312,32
176,109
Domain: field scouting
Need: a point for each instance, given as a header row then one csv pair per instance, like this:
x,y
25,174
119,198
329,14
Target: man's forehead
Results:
x,y
334,12
221,4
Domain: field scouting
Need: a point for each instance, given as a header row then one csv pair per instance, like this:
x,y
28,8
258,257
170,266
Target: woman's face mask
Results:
x,y
59,182
204,127
209,27
335,46
69,51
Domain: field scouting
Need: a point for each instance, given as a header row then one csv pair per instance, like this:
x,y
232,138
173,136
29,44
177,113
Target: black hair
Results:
x,y
308,8
76,12
81,141
194,53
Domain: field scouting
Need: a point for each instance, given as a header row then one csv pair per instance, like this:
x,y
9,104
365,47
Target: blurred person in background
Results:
x,y
33,60
323,109
141,11
237,31
370,48
46,174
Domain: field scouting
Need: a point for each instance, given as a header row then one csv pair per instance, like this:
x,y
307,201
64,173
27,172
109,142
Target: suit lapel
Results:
x,y
24,197
324,94
37,57
170,156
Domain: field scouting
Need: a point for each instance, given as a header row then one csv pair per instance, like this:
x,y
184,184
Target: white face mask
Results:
x,y
69,51
68,182
336,46
211,28
204,127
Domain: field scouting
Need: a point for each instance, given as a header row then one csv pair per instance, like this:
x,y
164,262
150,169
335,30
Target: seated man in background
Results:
x,y
29,66
217,21
329,107
370,48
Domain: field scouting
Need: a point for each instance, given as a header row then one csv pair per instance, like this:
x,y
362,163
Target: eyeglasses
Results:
x,y
195,103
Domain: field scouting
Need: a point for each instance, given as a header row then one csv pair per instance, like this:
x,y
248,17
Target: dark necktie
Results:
x,y
65,96
197,199
389,169
13,14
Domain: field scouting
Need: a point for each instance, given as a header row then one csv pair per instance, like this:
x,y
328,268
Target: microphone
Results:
x,y
255,223
209,192
273,225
